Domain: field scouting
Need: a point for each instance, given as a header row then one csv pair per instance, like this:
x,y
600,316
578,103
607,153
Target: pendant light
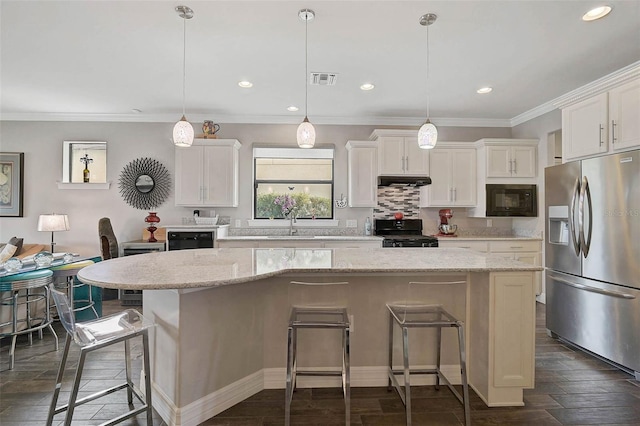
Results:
x,y
183,130
306,134
428,134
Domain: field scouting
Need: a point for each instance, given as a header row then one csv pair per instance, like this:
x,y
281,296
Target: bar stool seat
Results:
x,y
68,272
420,315
97,334
317,316
27,290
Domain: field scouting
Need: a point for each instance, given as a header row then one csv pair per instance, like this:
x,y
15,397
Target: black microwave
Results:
x,y
512,200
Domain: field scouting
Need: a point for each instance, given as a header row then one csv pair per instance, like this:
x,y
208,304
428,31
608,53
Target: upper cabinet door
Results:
x,y
189,172
391,155
524,161
499,162
440,192
463,166
362,173
624,114
221,176
585,128
417,159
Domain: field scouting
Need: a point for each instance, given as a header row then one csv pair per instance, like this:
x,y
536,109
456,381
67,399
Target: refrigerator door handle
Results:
x,y
593,289
585,198
572,225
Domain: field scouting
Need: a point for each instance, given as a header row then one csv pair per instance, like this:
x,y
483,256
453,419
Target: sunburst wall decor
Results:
x,y
144,183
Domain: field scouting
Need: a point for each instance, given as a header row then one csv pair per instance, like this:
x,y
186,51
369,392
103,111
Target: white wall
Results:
x,y
42,144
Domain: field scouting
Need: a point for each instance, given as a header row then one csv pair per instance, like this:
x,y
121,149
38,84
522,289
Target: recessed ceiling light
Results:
x,y
483,90
245,84
596,13
292,108
367,86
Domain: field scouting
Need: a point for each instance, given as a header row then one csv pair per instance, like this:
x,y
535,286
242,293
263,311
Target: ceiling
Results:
x,y
99,60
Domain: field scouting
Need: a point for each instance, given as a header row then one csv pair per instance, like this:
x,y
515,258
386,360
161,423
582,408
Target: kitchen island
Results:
x,y
221,317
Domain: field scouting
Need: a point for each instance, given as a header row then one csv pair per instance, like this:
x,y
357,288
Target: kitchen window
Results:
x,y
305,175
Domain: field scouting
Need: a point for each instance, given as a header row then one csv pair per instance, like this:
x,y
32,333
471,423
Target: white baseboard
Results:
x,y
215,403
275,378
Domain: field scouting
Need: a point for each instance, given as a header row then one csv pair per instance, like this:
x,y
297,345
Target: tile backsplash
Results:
x,y
392,199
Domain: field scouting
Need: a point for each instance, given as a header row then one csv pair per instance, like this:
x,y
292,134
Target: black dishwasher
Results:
x,y
185,240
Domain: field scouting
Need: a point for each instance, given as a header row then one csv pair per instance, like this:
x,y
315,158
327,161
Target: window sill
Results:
x,y
301,223
89,185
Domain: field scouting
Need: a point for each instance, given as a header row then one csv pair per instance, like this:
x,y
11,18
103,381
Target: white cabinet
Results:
x,y
601,124
524,251
624,116
453,178
511,161
207,174
399,153
362,173
527,251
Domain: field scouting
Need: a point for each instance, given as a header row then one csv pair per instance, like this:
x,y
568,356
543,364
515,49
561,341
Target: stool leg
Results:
x,y
56,391
76,388
389,383
14,324
127,363
347,375
289,385
28,307
438,356
147,377
48,315
463,371
407,381
91,302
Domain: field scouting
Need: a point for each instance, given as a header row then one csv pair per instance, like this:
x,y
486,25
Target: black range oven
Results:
x,y
403,233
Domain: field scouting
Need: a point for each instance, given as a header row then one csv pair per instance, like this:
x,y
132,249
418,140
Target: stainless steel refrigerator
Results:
x,y
592,255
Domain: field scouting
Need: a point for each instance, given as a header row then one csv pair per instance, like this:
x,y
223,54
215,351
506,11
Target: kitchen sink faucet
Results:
x,y
292,220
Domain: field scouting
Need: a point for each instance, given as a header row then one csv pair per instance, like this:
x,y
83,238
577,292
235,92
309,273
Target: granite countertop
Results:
x,y
184,269
487,238
194,226
303,237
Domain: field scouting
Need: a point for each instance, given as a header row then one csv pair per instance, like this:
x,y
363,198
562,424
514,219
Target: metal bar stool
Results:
x,y
414,314
68,272
97,334
27,290
317,314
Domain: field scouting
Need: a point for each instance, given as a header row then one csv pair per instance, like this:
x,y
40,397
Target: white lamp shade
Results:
x,y
427,136
53,222
183,133
306,134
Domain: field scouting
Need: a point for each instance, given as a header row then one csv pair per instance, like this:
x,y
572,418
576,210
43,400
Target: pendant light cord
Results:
x,y
306,64
184,62
427,82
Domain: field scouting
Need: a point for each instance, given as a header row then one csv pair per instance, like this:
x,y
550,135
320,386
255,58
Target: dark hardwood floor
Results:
x,y
572,388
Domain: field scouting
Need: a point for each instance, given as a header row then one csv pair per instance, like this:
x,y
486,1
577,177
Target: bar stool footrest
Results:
x,y
392,376
102,393
318,373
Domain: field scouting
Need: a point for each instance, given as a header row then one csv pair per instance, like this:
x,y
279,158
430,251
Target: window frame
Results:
x,y
288,152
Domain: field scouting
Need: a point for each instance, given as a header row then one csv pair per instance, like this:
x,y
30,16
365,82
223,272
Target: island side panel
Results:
x,y
368,296
478,333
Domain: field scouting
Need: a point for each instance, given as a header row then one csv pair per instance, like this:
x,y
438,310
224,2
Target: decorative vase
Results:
x,y
152,220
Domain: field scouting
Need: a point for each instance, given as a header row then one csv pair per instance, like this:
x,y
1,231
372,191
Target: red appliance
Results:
x,y
446,229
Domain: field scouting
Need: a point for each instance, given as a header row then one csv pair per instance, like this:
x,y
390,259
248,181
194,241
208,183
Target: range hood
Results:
x,y
404,180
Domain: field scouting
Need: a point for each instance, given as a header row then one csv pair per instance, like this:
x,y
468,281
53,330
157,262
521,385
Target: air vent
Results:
x,y
323,78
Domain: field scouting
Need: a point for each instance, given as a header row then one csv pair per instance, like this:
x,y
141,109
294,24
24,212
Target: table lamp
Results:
x,y
53,223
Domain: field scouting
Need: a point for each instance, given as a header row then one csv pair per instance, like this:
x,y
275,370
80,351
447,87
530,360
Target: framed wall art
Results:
x,y
11,184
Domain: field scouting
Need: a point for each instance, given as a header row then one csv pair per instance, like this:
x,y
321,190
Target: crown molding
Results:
x,y
532,113
599,86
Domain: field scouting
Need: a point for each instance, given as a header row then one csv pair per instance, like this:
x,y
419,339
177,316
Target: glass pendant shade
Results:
x,y
183,133
306,134
427,135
